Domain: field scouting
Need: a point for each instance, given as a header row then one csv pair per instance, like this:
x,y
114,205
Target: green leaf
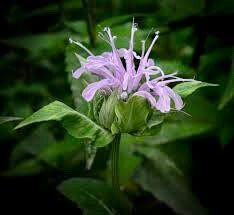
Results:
x,y
93,196
181,10
4,119
187,88
77,124
49,9
116,20
229,91
40,45
132,115
161,176
64,155
179,125
78,27
172,131
34,144
156,119
25,168
154,124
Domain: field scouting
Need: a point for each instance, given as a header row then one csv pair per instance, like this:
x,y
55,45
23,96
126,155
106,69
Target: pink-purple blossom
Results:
x,y
147,80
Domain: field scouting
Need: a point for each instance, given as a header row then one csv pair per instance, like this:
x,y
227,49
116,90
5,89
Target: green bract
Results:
x,y
107,112
132,115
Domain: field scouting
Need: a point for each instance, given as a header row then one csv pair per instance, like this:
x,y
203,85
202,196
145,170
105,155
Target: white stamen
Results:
x,y
105,29
151,45
133,30
144,58
178,79
157,69
165,76
149,34
112,43
101,35
80,45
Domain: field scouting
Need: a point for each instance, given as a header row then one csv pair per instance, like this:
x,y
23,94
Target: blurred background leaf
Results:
x,y
94,196
162,177
4,119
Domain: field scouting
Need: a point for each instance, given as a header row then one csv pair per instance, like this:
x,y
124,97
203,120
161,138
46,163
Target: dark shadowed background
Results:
x,y
196,38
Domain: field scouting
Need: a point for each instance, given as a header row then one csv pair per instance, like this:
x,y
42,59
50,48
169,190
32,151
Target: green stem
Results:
x,y
114,162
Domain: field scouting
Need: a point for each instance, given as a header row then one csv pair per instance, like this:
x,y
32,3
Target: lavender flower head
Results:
x,y
128,79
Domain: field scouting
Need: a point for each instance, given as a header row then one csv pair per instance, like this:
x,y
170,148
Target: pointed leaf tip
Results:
x,y
186,88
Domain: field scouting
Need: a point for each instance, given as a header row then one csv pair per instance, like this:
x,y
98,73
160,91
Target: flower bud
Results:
x,y
107,111
131,115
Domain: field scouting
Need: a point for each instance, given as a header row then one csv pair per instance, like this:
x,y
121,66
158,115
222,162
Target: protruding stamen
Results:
x,y
172,75
176,80
151,46
81,46
157,68
145,58
133,30
102,36
150,31
115,53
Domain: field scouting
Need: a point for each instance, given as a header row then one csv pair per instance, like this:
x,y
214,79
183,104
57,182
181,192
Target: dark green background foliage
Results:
x,y
185,168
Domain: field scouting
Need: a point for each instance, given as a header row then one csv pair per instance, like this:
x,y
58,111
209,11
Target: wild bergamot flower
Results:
x,y
147,80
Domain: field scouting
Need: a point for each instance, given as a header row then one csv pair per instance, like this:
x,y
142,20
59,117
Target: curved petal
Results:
x,y
148,96
98,61
89,92
175,97
102,72
78,72
144,87
163,103
116,57
125,81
